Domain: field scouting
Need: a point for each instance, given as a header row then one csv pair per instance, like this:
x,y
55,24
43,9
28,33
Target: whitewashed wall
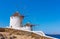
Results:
x,y
15,22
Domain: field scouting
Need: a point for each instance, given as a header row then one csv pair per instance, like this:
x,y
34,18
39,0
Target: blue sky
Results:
x,y
46,13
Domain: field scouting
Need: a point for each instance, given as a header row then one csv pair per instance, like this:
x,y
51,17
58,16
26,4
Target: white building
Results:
x,y
16,23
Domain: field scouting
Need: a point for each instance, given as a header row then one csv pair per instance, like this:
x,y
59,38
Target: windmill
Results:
x,y
31,25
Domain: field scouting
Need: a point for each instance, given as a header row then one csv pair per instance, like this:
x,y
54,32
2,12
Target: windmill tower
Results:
x,y
29,26
16,20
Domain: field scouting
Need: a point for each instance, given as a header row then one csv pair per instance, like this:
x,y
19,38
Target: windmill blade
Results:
x,y
24,15
35,24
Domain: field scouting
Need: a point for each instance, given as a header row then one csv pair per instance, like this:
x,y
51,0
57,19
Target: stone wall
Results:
x,y
7,33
